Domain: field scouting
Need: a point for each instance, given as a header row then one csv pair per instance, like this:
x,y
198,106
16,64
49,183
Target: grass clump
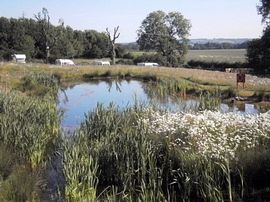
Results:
x,y
40,85
29,131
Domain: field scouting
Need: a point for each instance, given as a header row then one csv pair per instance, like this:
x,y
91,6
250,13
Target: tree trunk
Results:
x,y
112,41
113,54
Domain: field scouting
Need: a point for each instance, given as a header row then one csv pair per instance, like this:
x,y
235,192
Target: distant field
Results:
x,y
225,55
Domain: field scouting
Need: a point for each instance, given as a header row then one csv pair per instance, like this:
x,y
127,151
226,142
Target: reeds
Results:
x,y
126,160
29,129
40,85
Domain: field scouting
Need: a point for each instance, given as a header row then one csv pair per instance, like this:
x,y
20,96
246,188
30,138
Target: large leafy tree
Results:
x,y
165,33
264,10
258,52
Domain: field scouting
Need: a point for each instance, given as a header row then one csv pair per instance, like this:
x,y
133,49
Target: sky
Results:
x,y
209,18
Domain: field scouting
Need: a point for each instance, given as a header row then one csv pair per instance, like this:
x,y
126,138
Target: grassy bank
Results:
x,y
10,75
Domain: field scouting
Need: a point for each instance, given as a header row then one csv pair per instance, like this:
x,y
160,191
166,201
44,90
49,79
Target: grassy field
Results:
x,y
226,55
223,55
10,75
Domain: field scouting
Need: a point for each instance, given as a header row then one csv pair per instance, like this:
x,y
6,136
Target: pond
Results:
x,y
78,99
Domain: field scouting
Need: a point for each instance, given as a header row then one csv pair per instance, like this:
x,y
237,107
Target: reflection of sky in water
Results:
x,y
84,97
241,108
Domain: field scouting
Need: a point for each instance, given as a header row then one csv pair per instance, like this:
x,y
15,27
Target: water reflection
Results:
x,y
78,99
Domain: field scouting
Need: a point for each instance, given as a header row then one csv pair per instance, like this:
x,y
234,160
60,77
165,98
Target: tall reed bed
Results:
x,y
123,158
40,85
144,154
29,131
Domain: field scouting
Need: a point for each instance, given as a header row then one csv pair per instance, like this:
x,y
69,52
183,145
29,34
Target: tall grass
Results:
x,y
40,85
128,160
125,156
29,130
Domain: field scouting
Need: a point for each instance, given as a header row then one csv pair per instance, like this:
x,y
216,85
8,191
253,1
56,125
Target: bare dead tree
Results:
x,y
112,42
46,32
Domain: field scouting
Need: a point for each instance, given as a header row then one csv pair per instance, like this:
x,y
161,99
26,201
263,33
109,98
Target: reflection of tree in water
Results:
x,y
156,91
115,82
110,83
262,107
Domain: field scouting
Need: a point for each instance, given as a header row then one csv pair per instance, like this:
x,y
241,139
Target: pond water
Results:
x,y
78,99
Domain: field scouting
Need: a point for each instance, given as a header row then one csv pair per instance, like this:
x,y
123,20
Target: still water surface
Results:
x,y
77,100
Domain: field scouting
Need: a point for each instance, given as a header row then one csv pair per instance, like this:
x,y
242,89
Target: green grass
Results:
x,y
29,131
114,156
11,75
223,55
220,55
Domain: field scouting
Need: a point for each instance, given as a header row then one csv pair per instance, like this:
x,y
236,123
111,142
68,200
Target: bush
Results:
x,y
221,66
40,84
151,58
128,56
125,62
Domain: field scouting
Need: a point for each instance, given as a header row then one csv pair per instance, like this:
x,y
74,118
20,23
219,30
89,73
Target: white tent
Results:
x,y
19,58
102,63
62,62
148,64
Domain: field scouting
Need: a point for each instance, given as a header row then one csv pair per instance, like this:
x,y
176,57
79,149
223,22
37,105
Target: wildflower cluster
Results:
x,y
211,133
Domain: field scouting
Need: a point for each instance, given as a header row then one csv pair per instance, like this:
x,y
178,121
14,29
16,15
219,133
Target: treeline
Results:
x,y
220,66
34,37
210,45
258,52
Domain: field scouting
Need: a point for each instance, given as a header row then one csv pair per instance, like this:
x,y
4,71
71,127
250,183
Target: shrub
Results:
x,y
221,66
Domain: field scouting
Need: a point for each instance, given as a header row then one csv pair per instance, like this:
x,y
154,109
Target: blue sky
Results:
x,y
209,18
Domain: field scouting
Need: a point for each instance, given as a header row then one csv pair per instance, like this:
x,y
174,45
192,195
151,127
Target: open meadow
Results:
x,y
221,55
10,75
216,55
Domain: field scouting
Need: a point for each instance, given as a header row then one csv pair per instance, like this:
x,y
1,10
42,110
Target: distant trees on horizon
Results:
x,y
38,37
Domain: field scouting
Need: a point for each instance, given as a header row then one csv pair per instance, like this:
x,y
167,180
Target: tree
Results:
x,y
165,33
264,10
258,52
47,36
112,42
96,45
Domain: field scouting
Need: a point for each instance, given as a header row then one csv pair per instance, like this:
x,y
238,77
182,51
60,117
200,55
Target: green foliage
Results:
x,y
145,57
264,10
96,45
19,186
126,158
258,52
29,134
165,33
80,170
125,161
32,36
28,126
216,46
40,85
215,65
